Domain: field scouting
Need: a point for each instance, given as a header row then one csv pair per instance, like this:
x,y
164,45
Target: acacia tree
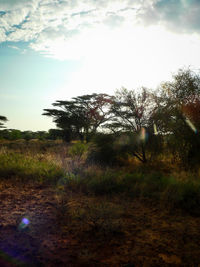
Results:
x,y
2,120
131,112
80,116
178,115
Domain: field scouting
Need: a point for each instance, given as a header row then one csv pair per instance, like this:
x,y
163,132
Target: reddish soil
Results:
x,y
150,235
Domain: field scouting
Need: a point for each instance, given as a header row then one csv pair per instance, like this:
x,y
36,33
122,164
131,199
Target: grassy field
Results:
x,y
81,214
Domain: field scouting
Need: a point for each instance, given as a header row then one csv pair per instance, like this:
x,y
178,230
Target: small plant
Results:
x,y
99,218
77,150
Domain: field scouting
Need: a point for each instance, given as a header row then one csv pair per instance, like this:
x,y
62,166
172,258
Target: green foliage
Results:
x,y
25,168
78,150
13,134
54,134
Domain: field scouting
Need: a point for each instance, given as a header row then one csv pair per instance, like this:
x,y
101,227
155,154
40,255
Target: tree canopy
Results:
x,y
80,116
139,120
2,120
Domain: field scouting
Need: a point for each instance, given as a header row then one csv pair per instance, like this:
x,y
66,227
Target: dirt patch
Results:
x,y
149,236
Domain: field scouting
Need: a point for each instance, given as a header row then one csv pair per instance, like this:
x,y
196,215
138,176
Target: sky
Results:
x,y
57,49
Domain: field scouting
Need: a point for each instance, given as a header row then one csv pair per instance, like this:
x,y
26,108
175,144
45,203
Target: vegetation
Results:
x,y
80,117
25,168
128,178
13,134
2,120
141,124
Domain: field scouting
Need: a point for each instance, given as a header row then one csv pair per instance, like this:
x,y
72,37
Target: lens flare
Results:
x,y
24,223
155,129
191,125
143,135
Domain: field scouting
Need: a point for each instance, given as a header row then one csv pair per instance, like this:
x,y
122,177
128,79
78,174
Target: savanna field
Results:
x,y
99,133
58,208
117,183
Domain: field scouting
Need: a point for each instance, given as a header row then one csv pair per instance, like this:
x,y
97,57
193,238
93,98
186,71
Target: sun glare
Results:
x,y
131,57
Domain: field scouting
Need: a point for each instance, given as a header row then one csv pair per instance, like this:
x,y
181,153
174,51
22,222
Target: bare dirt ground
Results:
x,y
150,235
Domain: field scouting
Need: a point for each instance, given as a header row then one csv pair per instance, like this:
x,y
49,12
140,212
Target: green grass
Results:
x,y
26,168
176,190
166,189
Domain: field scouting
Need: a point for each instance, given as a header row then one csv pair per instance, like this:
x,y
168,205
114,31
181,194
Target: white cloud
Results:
x,y
64,29
14,47
176,15
49,22
2,35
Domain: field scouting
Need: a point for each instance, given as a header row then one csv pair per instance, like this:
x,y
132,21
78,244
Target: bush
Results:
x,y
103,150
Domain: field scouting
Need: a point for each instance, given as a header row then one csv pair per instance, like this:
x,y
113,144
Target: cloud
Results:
x,y
14,47
114,20
51,25
176,15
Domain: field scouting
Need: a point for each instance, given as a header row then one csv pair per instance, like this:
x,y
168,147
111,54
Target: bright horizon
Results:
x,y
55,50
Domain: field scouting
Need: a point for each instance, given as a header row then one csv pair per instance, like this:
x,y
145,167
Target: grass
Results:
x,y
24,168
165,189
97,217
175,189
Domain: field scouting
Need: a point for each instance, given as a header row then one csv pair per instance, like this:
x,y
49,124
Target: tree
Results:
x,y
178,115
2,120
131,112
81,116
14,134
54,134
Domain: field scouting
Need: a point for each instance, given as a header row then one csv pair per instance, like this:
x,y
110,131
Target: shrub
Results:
x,y
103,150
77,150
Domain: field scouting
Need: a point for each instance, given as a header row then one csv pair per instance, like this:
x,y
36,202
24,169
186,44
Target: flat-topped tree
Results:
x,y
2,120
81,116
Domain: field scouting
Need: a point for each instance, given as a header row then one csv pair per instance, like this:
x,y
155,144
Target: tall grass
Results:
x,y
23,168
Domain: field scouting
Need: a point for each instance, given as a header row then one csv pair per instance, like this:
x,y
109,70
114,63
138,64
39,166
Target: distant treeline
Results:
x,y
13,134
